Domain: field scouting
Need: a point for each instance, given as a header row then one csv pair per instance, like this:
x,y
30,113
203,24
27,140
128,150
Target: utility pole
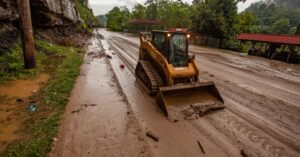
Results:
x,y
27,33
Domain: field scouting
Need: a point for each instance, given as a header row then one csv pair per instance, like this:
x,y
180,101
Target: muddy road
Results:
x,y
262,99
109,114
98,121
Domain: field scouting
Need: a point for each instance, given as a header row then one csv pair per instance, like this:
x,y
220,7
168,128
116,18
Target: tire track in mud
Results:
x,y
268,67
133,45
122,54
290,118
261,70
270,115
268,86
130,50
251,138
232,125
175,135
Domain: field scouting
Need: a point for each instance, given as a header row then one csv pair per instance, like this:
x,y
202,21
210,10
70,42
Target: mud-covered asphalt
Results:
x,y
98,121
109,114
261,98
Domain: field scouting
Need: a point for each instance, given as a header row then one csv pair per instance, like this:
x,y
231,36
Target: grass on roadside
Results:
x,y
53,97
12,64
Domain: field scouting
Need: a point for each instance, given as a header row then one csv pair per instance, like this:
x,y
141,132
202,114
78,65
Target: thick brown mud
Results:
x,y
190,105
15,98
261,115
176,139
98,121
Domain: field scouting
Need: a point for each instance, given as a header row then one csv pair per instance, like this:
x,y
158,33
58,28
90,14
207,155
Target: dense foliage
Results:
x,y
86,14
298,30
172,13
214,18
102,19
117,17
278,17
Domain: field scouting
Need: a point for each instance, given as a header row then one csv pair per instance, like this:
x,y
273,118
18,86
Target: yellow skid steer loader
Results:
x,y
166,70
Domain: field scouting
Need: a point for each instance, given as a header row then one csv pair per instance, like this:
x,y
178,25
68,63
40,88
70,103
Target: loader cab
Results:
x,y
173,45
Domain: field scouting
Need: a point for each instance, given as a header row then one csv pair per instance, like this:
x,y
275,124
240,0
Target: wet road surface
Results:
x,y
261,98
109,114
98,121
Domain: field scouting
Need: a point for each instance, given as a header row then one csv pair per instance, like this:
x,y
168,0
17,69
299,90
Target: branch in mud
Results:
x,y
152,136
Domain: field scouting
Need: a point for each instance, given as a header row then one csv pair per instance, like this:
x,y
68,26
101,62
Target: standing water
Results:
x,y
15,98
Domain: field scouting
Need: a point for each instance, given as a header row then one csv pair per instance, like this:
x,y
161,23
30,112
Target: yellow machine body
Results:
x,y
175,83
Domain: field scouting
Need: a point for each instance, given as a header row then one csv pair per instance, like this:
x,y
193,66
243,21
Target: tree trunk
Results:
x,y
27,33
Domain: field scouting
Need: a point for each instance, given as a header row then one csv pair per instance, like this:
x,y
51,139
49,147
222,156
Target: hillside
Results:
x,y
291,4
277,16
102,20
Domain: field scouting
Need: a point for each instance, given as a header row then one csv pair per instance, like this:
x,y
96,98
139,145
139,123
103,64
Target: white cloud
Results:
x,y
103,6
242,6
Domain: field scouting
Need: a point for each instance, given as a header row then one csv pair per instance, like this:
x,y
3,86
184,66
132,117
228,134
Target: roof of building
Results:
x,y
280,39
145,22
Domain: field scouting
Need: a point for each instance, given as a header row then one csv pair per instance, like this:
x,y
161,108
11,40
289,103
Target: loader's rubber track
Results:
x,y
148,77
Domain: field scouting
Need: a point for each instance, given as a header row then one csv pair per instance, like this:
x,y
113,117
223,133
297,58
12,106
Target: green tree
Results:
x,y
139,12
216,18
281,27
298,30
151,11
172,13
102,20
177,14
267,15
117,18
114,19
125,16
245,22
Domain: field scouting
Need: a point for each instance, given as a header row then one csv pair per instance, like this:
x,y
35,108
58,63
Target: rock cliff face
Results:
x,y
45,13
54,12
8,10
8,16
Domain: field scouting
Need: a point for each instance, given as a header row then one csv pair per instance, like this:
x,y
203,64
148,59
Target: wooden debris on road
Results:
x,y
108,56
202,150
152,136
243,153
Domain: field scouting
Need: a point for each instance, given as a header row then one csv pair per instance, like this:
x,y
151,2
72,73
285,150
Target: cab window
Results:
x,y
178,50
160,41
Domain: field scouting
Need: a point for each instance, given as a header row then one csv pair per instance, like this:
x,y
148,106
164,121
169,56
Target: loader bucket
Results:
x,y
189,99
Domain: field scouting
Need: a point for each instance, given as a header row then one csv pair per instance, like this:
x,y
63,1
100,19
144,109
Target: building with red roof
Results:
x,y
281,47
145,22
141,25
269,38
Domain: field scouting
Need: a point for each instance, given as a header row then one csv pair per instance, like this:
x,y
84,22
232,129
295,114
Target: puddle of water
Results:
x,y
13,113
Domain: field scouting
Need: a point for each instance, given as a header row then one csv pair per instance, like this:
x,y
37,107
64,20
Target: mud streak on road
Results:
x,y
261,97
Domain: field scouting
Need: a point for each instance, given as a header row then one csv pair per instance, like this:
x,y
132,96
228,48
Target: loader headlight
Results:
x,y
169,35
188,36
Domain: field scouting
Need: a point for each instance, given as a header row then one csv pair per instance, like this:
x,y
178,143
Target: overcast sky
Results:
x,y
103,6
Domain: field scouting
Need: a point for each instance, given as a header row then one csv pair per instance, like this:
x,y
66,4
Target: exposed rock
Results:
x,y
8,34
8,10
45,13
54,13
